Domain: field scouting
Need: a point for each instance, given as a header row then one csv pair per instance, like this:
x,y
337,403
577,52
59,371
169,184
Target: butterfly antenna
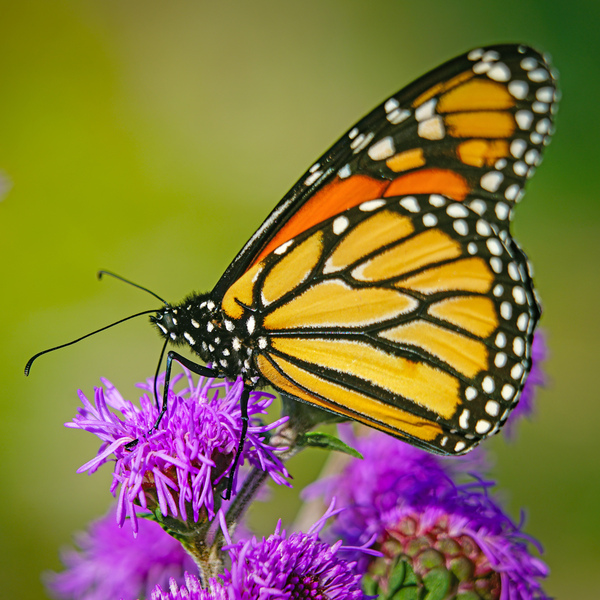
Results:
x,y
103,272
30,361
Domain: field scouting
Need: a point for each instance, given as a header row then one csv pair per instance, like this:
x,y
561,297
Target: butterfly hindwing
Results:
x,y
407,313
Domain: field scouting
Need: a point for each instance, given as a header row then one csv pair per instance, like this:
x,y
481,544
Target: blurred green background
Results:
x,y
152,138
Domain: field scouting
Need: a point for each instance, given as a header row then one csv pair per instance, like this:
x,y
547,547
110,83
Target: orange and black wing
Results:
x,y
409,314
385,286
473,130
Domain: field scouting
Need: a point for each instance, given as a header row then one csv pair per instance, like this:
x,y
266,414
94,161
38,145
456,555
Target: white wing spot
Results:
x,y
459,446
457,211
488,385
500,360
483,228
426,111
520,168
499,72
519,346
251,324
189,338
492,408
410,204
538,75
500,340
391,105
383,149
523,322
519,295
524,118
513,272
502,210
344,172
528,63
545,94
478,205
491,181
508,391
482,426
494,246
437,200
432,129
512,191
284,247
340,225
312,178
506,310
461,227
517,371
397,116
496,264
463,420
518,147
371,205
518,89
195,324
429,220
470,393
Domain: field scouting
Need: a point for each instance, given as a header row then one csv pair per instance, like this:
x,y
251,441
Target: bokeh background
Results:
x,y
152,138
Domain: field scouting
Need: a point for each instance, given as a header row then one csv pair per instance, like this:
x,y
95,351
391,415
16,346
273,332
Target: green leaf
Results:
x,y
318,439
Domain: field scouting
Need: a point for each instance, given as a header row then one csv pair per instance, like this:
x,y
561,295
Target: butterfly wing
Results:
x,y
409,314
385,286
473,130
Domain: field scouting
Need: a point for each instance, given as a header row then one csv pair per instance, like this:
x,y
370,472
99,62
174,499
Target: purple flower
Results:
x,y
413,505
178,467
112,564
299,566
536,378
191,590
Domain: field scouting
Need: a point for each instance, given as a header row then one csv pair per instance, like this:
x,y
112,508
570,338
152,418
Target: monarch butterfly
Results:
x,y
385,286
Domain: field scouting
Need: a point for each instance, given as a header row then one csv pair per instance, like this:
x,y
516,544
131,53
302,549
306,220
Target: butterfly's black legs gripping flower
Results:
x,y
204,371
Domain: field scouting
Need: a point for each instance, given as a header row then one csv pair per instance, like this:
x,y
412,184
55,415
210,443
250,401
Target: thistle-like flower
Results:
x,y
433,530
177,468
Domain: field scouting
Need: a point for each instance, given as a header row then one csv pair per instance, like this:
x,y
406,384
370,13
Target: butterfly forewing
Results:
x,y
473,129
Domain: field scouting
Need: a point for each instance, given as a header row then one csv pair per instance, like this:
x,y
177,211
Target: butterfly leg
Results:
x,y
244,408
188,364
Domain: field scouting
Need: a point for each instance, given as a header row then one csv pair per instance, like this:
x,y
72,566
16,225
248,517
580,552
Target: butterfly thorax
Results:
x,y
199,323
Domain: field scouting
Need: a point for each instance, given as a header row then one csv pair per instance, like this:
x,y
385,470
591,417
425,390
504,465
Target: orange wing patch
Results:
x,y
477,94
334,304
480,124
430,181
425,385
467,356
345,401
425,248
383,228
467,274
482,153
334,198
473,313
241,292
293,268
